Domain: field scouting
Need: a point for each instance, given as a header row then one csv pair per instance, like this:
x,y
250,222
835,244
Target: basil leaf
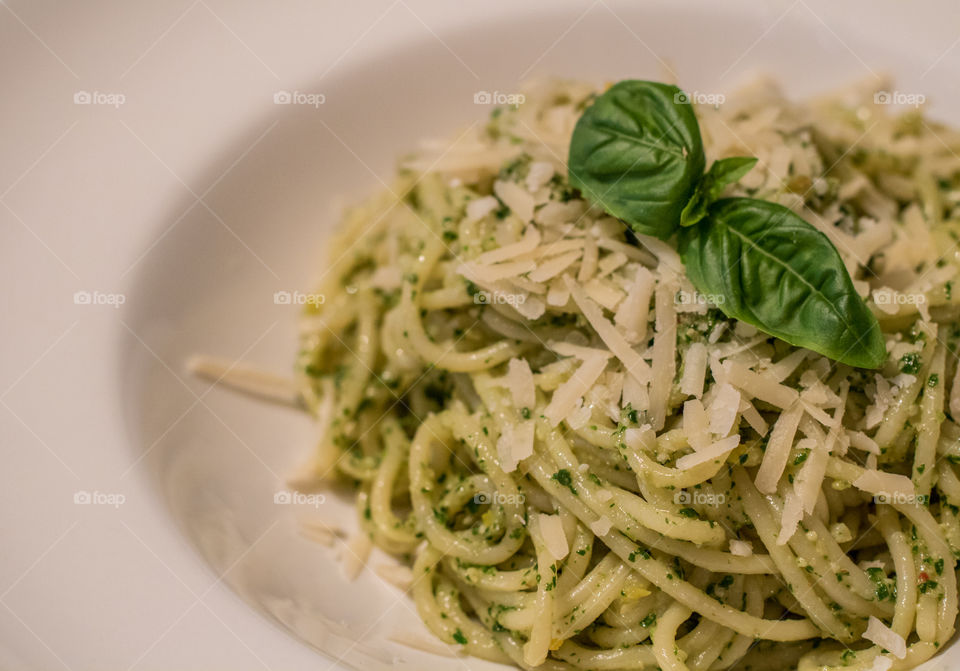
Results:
x,y
637,153
768,267
722,173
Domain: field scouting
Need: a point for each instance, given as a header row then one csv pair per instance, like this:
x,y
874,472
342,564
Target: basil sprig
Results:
x,y
722,173
637,152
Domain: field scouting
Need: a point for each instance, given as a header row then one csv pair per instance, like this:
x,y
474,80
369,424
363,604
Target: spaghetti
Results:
x,y
587,465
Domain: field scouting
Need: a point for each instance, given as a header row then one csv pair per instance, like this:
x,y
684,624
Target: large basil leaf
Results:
x,y
637,153
721,174
764,265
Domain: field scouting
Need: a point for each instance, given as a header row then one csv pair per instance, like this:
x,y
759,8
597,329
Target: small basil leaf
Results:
x,y
637,153
722,173
770,268
729,170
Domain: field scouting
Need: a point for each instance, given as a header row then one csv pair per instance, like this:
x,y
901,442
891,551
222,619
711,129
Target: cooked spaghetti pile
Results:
x,y
588,465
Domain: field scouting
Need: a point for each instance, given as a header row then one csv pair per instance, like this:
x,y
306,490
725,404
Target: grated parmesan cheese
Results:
x,y
515,444
553,267
608,333
611,262
532,308
631,252
558,295
588,265
481,207
754,419
880,634
516,198
955,394
566,396
551,529
809,480
397,575
881,663
601,526
695,424
603,293
500,271
785,367
790,517
664,351
718,450
558,247
888,485
578,351
883,398
632,314
246,378
519,380
862,441
759,386
556,213
528,243
635,393
355,554
579,416
538,174
666,255
320,532
694,370
724,410
778,449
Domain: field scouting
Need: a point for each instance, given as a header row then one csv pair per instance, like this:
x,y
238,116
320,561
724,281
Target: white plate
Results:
x,y
194,202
